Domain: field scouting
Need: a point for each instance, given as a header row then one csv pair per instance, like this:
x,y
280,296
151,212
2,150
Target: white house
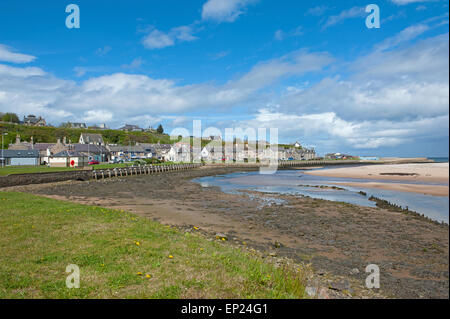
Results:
x,y
87,138
68,159
212,153
179,152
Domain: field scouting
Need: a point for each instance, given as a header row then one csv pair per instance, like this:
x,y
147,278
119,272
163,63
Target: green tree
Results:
x,y
160,129
10,117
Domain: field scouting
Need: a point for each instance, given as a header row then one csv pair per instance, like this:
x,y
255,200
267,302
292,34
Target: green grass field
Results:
x,y
121,255
8,170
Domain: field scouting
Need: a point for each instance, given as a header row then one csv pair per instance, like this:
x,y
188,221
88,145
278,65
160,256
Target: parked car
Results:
x,y
93,162
116,161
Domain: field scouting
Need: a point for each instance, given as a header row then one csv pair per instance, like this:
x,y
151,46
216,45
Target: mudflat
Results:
x,y
338,239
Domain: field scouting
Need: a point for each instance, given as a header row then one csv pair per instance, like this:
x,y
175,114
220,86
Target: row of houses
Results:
x,y
92,147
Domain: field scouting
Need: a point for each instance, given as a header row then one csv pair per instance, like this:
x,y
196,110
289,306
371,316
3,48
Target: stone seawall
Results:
x,y
84,175
41,178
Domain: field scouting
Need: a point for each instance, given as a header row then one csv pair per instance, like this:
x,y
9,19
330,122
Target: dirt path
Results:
x,y
337,238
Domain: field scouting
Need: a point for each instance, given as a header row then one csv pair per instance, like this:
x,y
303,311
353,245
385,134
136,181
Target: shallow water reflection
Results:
x,y
295,182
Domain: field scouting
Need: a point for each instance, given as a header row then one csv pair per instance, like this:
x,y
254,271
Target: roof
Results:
x,y
42,146
148,147
20,153
91,148
32,119
92,137
127,148
162,147
69,154
130,127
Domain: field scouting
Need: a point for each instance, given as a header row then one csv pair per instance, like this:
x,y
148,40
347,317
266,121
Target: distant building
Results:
x,y
339,156
19,157
88,138
99,127
32,120
131,128
369,158
212,138
77,125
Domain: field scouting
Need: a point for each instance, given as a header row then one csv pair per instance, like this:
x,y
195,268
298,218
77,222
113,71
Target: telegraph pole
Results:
x,y
3,157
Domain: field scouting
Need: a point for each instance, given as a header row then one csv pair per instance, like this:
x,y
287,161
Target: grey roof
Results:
x,y
91,148
69,154
162,147
130,127
148,147
20,153
42,146
32,119
91,137
127,148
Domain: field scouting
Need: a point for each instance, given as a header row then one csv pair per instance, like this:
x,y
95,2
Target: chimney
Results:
x,y
58,141
64,140
18,139
32,143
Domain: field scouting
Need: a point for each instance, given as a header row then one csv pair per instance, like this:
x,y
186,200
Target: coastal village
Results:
x,y
91,149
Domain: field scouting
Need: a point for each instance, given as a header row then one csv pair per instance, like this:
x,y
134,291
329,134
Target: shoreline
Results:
x,y
434,190
420,174
335,237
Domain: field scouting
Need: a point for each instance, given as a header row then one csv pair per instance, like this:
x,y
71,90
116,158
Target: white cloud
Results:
x,y
133,95
333,130
279,35
404,2
97,116
354,12
103,51
6,55
317,11
11,71
157,39
224,10
405,35
136,63
411,82
220,55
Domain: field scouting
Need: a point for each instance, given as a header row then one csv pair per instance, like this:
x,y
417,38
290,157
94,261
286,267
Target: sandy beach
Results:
x,y
426,172
434,190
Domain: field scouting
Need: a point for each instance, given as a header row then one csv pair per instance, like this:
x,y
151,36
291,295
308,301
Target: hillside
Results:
x,y
51,135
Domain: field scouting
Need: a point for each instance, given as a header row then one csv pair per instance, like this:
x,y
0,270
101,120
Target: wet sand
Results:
x,y
427,172
412,188
338,239
418,173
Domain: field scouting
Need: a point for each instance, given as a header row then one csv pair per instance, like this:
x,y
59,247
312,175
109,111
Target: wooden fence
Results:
x,y
141,170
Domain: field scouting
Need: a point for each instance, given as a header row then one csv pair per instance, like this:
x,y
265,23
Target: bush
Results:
x,y
152,161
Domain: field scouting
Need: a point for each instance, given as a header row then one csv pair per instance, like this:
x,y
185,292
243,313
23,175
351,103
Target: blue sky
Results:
x,y
312,69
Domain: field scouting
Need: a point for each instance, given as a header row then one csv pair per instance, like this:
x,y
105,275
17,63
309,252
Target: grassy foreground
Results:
x,y
121,255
